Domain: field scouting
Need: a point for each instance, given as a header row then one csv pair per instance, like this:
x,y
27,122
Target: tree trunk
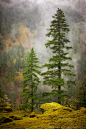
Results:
x,y
59,68
59,87
32,105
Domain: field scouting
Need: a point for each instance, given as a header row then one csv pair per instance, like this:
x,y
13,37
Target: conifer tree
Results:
x,y
58,65
31,80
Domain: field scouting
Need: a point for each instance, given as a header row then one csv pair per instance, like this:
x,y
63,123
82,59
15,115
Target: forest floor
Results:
x,y
52,118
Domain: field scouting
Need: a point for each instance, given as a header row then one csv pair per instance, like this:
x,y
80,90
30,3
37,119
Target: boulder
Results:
x,y
25,115
16,117
5,119
1,109
32,115
8,109
48,107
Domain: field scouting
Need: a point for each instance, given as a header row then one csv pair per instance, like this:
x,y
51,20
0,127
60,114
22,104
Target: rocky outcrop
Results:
x,y
8,109
55,116
32,115
16,117
5,119
48,107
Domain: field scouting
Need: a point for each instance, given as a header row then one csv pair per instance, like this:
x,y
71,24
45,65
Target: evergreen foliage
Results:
x,y
1,92
12,61
31,80
58,66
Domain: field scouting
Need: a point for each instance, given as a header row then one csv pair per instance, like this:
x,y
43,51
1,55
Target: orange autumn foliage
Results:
x,y
25,37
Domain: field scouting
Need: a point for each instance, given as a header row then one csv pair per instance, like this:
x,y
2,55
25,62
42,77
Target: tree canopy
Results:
x,y
58,66
30,81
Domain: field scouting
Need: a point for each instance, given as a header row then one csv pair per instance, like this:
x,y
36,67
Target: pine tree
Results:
x,y
31,80
58,66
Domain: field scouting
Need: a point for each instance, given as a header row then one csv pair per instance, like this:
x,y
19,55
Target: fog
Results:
x,y
38,15
47,9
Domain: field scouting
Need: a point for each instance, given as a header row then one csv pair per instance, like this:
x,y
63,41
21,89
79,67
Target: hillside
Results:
x,y
23,24
13,58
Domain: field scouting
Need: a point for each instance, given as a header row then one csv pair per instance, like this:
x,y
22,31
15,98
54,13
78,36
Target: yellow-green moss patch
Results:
x,y
32,115
63,117
49,107
9,109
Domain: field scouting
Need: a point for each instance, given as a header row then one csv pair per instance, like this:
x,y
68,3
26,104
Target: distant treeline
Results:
x,y
13,15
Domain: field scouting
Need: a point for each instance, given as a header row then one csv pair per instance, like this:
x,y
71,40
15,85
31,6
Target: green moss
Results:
x,y
5,119
16,117
49,107
63,117
32,115
9,109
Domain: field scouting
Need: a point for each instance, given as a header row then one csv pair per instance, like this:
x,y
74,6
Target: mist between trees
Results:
x,y
23,27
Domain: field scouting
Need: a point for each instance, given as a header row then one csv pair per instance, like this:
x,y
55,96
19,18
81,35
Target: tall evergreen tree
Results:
x,y
58,66
31,80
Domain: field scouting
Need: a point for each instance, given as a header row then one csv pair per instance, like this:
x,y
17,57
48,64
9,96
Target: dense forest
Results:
x,y
42,64
24,26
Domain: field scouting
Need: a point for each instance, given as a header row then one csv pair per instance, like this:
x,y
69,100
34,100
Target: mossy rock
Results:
x,y
49,107
1,108
5,119
58,118
8,109
16,117
25,115
2,104
82,110
32,115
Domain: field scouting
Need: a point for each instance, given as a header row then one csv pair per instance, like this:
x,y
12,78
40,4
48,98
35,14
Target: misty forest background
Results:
x,y
23,26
